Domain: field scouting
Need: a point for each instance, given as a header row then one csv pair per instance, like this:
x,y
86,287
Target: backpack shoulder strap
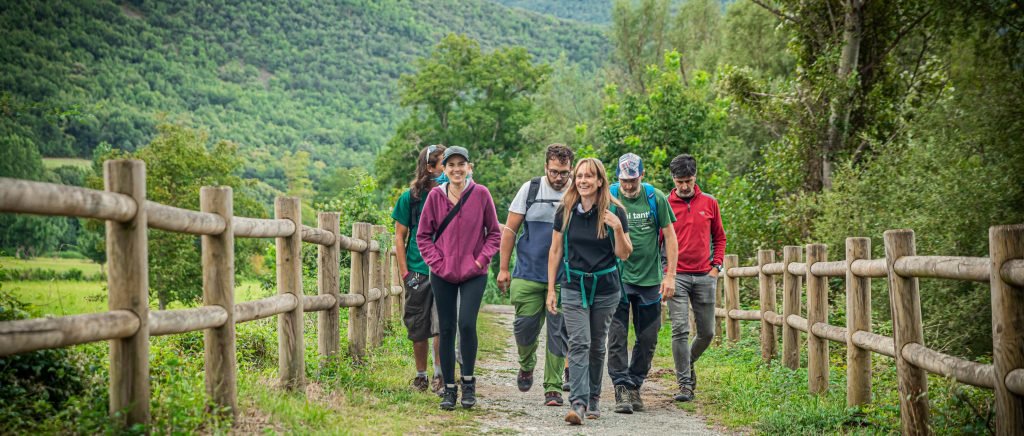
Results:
x,y
531,194
615,189
652,201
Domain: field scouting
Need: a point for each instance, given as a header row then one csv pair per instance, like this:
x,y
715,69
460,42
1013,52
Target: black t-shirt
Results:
x,y
586,252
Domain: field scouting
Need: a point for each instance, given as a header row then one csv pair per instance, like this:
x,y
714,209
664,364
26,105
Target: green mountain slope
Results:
x,y
276,77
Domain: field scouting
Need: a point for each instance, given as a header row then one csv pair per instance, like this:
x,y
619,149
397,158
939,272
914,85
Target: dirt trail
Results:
x,y
512,412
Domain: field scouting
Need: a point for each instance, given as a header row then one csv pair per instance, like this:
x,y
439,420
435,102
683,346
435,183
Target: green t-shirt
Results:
x,y
401,213
643,268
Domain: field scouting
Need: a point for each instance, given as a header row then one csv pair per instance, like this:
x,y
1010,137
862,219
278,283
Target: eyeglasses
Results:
x,y
559,174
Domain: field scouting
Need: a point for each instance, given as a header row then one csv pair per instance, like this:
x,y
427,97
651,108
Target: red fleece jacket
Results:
x,y
698,225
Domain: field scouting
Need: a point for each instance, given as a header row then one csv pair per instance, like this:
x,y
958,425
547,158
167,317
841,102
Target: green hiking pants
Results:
x,y
529,299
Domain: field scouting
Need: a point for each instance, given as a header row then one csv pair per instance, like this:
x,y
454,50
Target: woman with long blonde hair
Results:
x,y
590,236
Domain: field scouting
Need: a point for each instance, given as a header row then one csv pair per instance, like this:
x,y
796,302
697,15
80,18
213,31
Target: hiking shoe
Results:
x,y
448,398
594,408
635,400
622,399
553,398
468,393
420,383
685,393
576,413
524,380
436,385
565,381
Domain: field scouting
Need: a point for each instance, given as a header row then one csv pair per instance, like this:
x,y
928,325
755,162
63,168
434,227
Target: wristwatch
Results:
x,y
718,267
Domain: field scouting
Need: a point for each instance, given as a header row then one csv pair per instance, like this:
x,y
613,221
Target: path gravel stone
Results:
x,y
509,411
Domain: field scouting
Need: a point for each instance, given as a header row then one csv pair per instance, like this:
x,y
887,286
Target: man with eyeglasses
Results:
x,y
535,205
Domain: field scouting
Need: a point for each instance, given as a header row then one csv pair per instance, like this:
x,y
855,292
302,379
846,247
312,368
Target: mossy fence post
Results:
x,y
291,352
905,302
327,283
1005,243
357,286
791,285
858,318
817,312
766,294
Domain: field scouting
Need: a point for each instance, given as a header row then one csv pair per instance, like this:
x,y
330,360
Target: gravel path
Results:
x,y
512,412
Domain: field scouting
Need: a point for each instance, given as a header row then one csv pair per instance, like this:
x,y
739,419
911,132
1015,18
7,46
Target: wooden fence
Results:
x,y
373,299
1003,270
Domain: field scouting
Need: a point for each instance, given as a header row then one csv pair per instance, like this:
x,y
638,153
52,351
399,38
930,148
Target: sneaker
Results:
x,y
437,385
576,413
685,393
594,408
553,398
448,398
468,393
622,399
420,383
524,380
565,381
635,400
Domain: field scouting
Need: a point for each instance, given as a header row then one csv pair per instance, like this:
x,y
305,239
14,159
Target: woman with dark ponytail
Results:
x,y
420,317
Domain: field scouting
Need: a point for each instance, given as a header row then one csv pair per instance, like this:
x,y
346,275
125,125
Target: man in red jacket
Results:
x,y
701,239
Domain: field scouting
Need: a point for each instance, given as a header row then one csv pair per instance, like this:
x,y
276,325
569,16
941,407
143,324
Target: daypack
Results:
x,y
414,216
531,195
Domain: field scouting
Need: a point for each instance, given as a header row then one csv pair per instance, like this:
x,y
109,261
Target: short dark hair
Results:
x,y
559,152
683,165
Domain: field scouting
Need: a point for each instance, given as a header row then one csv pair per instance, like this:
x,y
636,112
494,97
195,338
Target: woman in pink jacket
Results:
x,y
458,234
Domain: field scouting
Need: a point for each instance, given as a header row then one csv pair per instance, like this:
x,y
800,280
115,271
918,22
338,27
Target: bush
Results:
x,y
73,274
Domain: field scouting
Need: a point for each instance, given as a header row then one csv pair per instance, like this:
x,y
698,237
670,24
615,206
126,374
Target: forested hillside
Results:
x,y
275,77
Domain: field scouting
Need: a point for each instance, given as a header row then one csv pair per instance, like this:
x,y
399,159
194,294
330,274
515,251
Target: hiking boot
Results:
x,y
635,400
524,380
622,399
448,398
685,393
468,393
576,413
436,385
553,398
565,381
420,383
594,407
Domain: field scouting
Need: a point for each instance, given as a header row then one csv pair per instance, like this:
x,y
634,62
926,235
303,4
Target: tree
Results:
x,y
640,39
697,35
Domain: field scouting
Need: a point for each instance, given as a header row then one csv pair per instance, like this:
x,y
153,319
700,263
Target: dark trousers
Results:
x,y
452,314
646,323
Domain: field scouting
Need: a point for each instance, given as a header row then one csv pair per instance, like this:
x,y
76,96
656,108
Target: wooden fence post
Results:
x,y
719,302
858,318
766,288
327,283
357,286
128,284
732,298
1005,243
791,284
817,311
385,283
373,321
399,301
291,352
905,303
219,290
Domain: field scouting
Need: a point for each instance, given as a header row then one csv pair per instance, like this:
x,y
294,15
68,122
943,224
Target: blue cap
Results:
x,y
630,167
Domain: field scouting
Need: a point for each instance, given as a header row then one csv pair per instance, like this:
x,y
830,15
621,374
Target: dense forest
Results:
x,y
275,78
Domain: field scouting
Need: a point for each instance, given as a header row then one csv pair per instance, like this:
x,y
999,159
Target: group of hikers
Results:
x,y
589,253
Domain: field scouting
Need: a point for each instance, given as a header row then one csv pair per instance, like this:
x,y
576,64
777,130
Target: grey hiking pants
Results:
x,y
588,332
697,291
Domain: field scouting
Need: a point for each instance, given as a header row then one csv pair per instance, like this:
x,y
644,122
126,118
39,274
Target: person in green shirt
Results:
x,y
420,317
644,283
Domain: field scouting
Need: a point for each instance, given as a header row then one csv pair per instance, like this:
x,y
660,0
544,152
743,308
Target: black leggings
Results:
x,y
463,314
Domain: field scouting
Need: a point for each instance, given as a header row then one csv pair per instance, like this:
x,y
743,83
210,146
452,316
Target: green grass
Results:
x,y
54,162
737,390
86,266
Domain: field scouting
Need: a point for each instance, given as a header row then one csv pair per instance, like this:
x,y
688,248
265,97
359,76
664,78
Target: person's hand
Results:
x,y
714,273
668,287
552,302
612,220
477,263
504,279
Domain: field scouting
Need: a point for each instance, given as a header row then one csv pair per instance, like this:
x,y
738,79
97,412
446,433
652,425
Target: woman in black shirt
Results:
x,y
590,236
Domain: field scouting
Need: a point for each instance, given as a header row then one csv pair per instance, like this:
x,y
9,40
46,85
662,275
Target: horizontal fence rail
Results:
x,y
129,323
902,267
